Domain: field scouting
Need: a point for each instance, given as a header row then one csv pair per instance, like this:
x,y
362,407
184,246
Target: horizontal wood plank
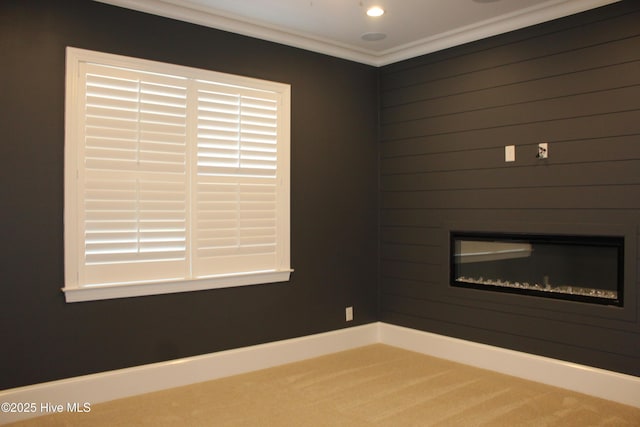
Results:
x,y
445,121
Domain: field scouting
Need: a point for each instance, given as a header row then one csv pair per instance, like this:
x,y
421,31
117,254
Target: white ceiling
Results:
x,y
335,27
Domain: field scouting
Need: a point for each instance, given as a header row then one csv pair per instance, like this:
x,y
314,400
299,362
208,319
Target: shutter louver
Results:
x,y
135,176
235,226
237,134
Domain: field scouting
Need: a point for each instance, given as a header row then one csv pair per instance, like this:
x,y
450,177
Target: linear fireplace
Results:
x,y
578,268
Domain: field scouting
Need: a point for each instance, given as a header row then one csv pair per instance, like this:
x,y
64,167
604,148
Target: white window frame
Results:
x,y
74,289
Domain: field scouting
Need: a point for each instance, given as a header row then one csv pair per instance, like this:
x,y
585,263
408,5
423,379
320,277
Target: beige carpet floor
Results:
x,y
377,385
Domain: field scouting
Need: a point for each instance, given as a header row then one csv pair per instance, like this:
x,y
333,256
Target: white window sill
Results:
x,y
94,293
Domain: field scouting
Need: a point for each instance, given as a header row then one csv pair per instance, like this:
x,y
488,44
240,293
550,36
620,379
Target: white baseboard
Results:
x,y
111,385
572,376
106,386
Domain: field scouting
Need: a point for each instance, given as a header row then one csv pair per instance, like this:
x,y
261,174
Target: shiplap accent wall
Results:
x,y
445,120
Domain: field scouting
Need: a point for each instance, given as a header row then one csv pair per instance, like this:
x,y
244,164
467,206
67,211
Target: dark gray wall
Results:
x,y
445,119
333,200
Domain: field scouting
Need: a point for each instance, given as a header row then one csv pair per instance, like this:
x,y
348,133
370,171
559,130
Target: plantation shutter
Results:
x,y
134,180
236,191
177,178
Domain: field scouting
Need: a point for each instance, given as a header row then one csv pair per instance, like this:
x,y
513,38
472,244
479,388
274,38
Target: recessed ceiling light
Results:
x,y
375,11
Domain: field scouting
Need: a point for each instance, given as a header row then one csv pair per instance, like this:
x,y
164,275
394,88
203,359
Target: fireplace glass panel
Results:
x,y
580,268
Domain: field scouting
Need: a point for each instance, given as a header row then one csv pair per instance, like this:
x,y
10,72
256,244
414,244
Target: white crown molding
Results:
x,y
246,27
121,383
546,11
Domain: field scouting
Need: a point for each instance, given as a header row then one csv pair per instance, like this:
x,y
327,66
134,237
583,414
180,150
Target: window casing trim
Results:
x,y
102,292
75,291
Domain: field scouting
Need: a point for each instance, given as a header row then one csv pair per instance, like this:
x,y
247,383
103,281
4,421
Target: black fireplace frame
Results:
x,y
615,242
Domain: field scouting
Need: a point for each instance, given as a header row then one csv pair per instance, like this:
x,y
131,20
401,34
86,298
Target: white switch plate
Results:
x,y
509,153
348,312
